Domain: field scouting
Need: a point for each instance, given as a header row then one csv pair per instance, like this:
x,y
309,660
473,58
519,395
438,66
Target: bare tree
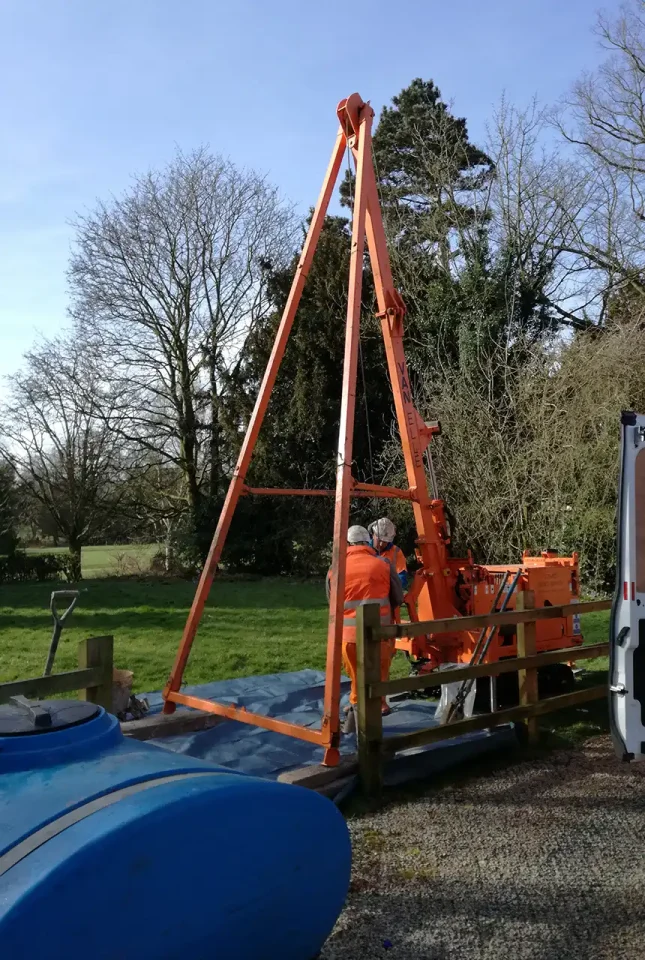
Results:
x,y
604,119
65,455
169,281
533,209
8,510
609,104
156,501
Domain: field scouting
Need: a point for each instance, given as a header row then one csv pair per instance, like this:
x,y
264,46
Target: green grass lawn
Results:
x,y
110,560
589,719
248,628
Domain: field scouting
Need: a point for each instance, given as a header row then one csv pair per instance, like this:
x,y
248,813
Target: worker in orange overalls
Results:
x,y
383,533
368,578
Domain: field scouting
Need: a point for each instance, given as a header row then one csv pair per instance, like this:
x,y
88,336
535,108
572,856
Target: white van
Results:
x,y
627,631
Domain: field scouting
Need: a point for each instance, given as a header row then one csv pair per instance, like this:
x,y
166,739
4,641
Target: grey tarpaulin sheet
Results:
x,y
298,697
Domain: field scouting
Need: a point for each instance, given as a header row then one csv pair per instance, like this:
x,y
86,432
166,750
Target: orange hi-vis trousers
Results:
x,y
349,662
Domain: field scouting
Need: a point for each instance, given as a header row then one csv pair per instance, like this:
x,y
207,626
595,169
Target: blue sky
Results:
x,y
92,91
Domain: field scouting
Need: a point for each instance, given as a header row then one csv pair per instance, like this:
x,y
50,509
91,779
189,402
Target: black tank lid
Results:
x,y
21,717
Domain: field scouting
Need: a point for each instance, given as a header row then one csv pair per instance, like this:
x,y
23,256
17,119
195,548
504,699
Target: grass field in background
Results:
x,y
248,628
110,560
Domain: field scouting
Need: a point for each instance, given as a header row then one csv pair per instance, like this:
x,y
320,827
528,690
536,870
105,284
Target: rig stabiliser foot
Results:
x,y
331,757
168,707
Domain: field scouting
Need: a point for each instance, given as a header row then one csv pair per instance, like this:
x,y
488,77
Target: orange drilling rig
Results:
x,y
443,586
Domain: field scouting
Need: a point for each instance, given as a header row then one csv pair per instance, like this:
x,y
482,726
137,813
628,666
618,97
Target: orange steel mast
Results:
x,y
354,134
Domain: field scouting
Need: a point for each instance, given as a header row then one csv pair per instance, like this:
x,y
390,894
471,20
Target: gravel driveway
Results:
x,y
543,860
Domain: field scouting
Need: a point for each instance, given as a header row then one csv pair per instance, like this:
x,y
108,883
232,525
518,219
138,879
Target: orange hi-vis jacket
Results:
x,y
396,557
367,580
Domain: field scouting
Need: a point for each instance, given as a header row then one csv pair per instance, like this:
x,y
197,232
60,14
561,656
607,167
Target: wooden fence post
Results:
x,y
370,720
98,652
527,647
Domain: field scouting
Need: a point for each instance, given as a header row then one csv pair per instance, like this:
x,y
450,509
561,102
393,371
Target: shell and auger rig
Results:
x,y
444,587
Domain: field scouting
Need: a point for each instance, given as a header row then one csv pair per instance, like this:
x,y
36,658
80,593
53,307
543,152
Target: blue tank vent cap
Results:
x,y
21,717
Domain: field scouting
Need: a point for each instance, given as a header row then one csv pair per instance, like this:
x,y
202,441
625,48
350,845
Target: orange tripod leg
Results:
x,y
237,481
331,717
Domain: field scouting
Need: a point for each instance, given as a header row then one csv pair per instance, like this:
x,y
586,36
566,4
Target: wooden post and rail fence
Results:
x,y
93,679
94,682
374,749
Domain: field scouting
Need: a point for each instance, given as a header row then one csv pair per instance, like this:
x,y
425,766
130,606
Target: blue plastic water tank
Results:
x,y
115,849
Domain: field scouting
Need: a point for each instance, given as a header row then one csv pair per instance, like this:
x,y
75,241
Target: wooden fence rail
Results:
x,y
449,624
373,749
93,679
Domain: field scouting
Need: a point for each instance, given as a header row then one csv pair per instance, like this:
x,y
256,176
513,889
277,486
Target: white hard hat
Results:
x,y
357,534
383,529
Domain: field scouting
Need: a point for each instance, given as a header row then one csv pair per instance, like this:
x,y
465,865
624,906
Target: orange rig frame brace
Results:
x,y
355,134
